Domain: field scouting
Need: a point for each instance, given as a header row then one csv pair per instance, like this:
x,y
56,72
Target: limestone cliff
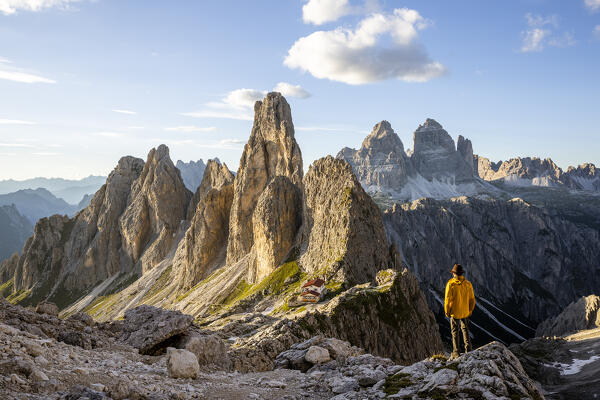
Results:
x,y
205,240
158,203
271,151
343,236
435,156
381,160
527,261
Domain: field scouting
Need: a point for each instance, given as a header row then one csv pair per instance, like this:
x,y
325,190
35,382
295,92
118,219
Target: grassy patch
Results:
x,y
394,383
98,304
439,357
202,282
17,297
159,285
6,288
240,292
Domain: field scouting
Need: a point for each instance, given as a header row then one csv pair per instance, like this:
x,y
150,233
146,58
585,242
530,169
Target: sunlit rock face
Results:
x,y
343,234
158,204
381,160
205,242
271,151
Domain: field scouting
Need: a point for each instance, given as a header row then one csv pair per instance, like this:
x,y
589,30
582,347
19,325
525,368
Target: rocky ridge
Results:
x,y
580,315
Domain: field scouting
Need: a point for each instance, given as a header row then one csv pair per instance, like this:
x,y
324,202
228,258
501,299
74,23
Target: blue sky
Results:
x,y
518,78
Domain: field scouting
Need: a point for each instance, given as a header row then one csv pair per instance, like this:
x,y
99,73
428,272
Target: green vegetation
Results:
x,y
240,292
19,296
273,284
439,357
452,366
99,303
6,288
159,285
394,383
202,282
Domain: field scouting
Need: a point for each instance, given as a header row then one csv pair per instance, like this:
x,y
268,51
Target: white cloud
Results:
x,y
135,128
318,12
289,90
361,55
15,122
541,32
128,112
15,145
108,134
597,31
593,5
238,104
191,128
45,153
533,39
12,6
18,76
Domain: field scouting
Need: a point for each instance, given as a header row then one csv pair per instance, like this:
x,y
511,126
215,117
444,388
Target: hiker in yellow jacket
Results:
x,y
458,306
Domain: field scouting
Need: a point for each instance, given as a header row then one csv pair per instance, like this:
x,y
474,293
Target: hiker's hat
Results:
x,y
458,269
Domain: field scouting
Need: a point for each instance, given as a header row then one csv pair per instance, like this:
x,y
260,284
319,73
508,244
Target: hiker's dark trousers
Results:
x,y
463,325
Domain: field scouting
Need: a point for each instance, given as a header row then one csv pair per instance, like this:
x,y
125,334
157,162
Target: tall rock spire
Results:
x,y
271,151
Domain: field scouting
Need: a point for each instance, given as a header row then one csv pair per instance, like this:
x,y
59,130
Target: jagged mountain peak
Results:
x,y
271,151
382,139
430,124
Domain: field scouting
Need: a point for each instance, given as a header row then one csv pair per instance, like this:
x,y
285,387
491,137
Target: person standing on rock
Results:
x,y
458,306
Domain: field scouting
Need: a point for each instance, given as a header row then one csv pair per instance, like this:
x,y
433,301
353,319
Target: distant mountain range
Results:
x,y
37,203
14,231
439,168
72,191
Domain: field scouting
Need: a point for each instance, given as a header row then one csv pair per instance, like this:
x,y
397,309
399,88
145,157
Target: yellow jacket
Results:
x,y
460,299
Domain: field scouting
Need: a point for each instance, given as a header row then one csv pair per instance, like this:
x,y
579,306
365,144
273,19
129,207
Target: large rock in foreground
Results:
x,y
490,372
152,329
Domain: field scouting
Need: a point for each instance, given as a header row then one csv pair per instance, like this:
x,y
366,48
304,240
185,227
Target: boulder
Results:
x,y
210,350
182,363
47,308
149,329
317,355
